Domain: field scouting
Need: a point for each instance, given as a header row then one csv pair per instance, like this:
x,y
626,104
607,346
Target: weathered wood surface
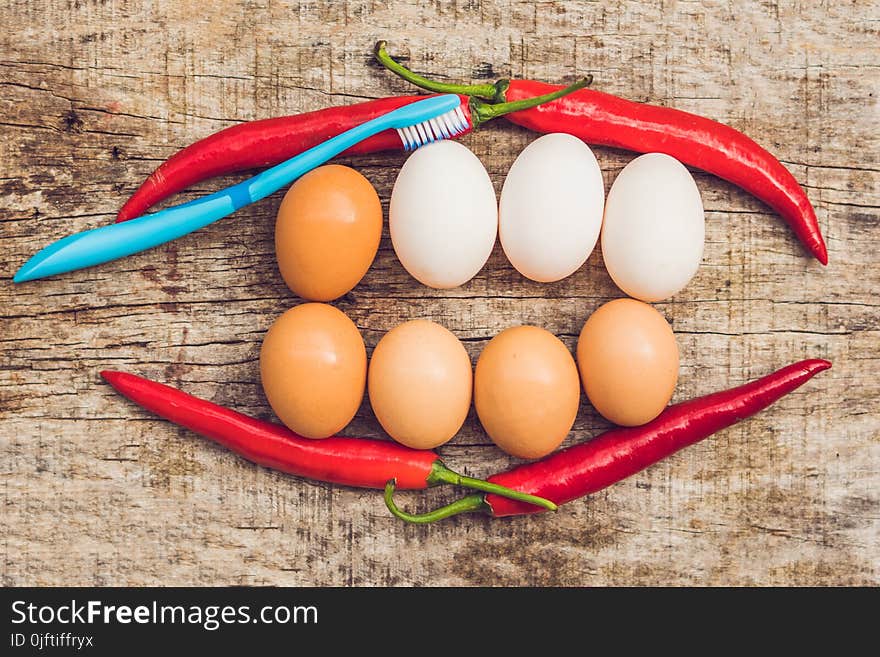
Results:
x,y
93,95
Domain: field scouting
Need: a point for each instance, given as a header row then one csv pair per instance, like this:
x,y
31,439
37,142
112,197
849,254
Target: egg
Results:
x,y
443,216
526,391
313,365
420,382
654,230
551,208
628,361
327,232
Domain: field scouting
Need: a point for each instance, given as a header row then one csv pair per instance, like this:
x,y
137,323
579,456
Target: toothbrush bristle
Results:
x,y
445,126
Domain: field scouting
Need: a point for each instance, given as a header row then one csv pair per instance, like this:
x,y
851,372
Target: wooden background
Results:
x,y
93,95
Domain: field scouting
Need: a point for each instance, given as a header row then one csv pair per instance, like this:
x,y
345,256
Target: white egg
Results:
x,y
444,215
551,208
654,229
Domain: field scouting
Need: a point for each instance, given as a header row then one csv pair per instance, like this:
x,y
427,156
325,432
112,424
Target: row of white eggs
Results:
x,y
444,217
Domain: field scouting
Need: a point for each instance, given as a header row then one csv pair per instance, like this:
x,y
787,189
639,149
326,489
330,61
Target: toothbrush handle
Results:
x,y
271,180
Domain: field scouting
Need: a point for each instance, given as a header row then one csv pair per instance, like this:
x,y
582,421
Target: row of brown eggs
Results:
x,y
525,388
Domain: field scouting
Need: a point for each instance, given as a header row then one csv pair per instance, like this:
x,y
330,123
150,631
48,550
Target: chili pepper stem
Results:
x,y
469,504
478,93
493,93
441,474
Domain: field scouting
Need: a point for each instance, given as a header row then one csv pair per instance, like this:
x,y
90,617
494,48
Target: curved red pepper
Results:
x,y
620,453
617,454
348,461
355,462
259,144
606,120
603,119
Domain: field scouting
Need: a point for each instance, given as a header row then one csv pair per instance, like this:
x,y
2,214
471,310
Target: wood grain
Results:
x,y
93,95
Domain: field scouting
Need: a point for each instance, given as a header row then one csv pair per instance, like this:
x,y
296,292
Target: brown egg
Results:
x,y
628,359
526,391
327,232
313,365
420,383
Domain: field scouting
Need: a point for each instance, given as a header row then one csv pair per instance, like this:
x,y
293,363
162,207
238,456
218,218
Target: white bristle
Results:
x,y
435,127
450,121
420,128
461,117
445,126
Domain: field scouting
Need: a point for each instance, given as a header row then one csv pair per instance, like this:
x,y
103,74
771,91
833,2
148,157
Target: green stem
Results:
x,y
495,93
468,504
441,474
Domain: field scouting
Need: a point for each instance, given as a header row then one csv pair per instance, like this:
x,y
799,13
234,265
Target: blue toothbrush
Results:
x,y
419,123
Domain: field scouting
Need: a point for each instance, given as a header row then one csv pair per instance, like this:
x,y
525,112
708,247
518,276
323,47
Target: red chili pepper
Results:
x,y
355,462
606,120
617,454
258,144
